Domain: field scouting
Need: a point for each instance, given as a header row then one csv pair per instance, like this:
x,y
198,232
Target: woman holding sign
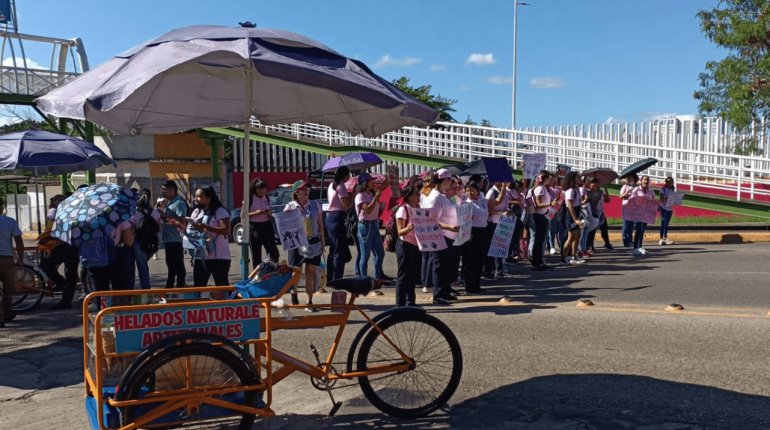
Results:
x,y
407,251
439,262
209,225
643,191
666,210
474,251
539,225
309,255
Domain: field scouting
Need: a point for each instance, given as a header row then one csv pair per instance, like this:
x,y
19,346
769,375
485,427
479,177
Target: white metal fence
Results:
x,y
701,152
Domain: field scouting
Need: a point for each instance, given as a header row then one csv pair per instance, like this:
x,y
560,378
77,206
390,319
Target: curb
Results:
x,y
701,237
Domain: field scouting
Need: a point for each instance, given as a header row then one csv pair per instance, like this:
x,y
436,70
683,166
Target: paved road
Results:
x,y
535,363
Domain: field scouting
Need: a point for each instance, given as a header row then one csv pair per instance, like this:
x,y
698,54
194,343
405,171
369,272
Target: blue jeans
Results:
x,y
371,243
626,231
665,220
142,268
639,228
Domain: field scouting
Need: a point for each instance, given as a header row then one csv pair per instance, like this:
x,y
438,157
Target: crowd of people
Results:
x,y
553,215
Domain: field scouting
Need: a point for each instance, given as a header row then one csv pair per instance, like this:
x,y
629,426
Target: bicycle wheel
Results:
x,y
429,385
27,292
192,368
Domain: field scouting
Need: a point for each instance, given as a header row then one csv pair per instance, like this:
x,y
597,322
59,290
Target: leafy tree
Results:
x,y
737,87
441,104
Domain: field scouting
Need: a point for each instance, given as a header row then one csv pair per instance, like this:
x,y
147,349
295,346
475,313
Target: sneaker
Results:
x,y
576,261
442,302
662,242
60,306
608,246
588,253
553,251
499,275
425,290
387,278
565,260
310,308
669,242
637,252
643,251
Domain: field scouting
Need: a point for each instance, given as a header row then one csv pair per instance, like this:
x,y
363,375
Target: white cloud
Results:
x,y
500,80
437,67
547,82
465,88
480,59
31,64
387,61
611,120
652,116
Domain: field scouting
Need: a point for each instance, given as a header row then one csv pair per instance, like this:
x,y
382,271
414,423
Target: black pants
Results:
x,y
339,251
540,222
119,274
67,254
473,259
262,235
205,269
491,264
604,230
439,266
513,249
408,257
175,265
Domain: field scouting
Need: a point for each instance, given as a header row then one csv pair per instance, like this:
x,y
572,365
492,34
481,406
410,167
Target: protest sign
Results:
x,y
562,169
533,164
553,211
497,169
464,218
641,209
426,229
501,240
136,330
393,178
291,229
674,199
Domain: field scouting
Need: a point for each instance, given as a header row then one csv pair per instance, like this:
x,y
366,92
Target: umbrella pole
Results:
x,y
37,206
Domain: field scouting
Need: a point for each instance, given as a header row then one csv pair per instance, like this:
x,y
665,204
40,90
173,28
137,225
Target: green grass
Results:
x,y
690,220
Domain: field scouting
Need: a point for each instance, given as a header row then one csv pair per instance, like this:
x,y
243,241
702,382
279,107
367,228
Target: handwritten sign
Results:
x,y
497,169
533,164
464,219
426,229
553,211
291,229
562,169
136,330
501,240
641,209
674,199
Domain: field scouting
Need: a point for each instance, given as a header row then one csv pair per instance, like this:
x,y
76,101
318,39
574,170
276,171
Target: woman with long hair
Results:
x,y
440,262
260,221
475,250
572,222
642,191
368,208
309,255
212,221
666,210
497,200
339,203
627,230
539,221
144,209
407,252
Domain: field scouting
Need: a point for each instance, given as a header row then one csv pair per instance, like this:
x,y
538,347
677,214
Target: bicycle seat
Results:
x,y
360,285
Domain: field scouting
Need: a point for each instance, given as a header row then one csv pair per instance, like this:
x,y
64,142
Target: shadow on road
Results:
x,y
592,401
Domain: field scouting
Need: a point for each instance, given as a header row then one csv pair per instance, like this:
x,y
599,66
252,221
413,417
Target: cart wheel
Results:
x,y
191,368
27,291
437,369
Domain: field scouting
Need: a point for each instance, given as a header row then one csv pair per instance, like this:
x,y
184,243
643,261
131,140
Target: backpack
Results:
x,y
391,230
94,252
351,225
147,234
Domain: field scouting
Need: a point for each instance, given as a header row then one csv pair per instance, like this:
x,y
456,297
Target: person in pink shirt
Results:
x,y
497,200
407,252
260,219
439,262
475,250
368,207
339,203
625,192
643,191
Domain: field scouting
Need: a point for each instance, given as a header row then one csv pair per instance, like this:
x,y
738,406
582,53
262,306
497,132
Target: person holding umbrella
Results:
x,y
626,231
339,203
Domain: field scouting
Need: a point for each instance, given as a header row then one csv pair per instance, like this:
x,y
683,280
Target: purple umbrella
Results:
x,y
353,160
44,152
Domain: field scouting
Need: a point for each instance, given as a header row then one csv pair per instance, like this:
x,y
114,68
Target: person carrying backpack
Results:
x,y
176,210
146,224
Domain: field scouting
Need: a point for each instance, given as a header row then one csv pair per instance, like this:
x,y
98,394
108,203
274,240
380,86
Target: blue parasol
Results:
x,y
93,212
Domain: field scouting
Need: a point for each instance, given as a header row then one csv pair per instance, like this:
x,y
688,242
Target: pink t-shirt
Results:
x,y
625,189
221,247
640,192
492,195
334,195
448,214
259,203
366,198
572,195
403,214
542,192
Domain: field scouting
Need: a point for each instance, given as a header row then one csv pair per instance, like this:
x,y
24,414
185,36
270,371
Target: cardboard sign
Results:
x,y
501,240
136,330
674,199
426,230
641,209
553,211
497,169
533,164
464,219
291,229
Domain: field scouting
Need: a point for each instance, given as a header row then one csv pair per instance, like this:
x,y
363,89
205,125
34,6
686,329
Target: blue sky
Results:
x,y
579,61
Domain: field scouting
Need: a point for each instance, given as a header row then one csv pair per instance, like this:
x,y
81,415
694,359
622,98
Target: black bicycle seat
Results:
x,y
360,285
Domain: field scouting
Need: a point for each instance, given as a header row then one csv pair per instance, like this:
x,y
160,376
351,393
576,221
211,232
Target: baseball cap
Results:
x,y
298,185
443,174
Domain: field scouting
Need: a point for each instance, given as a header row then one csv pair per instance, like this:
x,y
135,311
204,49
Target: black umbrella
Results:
x,y
602,174
476,168
638,167
459,169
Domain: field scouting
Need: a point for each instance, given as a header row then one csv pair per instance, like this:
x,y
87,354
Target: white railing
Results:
x,y
700,152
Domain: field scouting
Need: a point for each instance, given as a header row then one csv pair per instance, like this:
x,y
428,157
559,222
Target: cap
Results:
x,y
443,174
298,185
364,177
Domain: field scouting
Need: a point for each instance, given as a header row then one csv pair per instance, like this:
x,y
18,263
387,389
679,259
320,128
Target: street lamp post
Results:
x,y
516,5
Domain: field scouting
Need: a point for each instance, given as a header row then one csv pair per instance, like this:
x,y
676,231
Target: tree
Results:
x,y
738,87
441,104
